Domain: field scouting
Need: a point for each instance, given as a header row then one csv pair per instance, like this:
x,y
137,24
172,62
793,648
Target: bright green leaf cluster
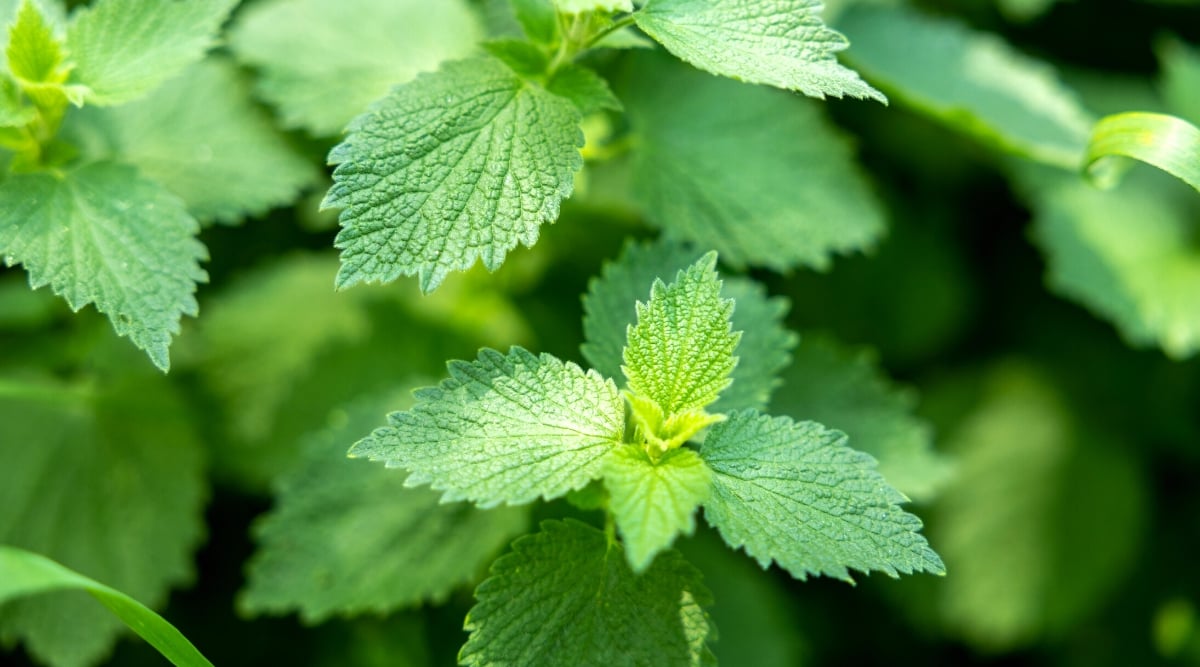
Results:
x,y
513,428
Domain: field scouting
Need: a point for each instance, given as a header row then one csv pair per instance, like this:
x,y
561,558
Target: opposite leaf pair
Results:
x,y
513,428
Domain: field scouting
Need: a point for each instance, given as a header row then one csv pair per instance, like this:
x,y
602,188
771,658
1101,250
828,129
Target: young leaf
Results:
x,y
680,352
845,389
585,88
107,479
321,62
609,310
50,10
23,573
34,54
345,537
504,429
780,43
122,49
201,137
13,113
973,81
653,502
104,235
1145,277
783,191
1042,520
454,167
601,612
794,493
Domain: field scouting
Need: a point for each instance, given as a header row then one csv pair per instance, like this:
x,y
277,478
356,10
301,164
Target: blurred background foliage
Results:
x,y
1017,348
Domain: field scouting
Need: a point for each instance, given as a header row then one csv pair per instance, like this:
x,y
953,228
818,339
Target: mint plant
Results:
x,y
513,428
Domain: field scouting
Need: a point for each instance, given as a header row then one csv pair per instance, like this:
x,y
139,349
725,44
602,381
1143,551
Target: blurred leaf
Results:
x,y
609,310
347,537
1180,78
1130,254
23,573
200,137
845,389
107,479
782,191
971,80
1042,521
322,62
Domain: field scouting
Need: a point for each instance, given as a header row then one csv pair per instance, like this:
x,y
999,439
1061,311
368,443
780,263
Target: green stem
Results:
x,y
623,22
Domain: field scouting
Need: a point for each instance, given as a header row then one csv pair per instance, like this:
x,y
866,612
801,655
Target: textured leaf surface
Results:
x,y
566,596
1128,254
201,137
783,191
970,80
1041,521
680,352
504,429
321,62
654,502
794,493
102,234
609,310
454,167
781,43
108,482
845,389
122,49
346,537
24,573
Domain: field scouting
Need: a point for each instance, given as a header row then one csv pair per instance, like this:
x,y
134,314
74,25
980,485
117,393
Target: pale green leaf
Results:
x,y
653,502
101,234
581,6
1042,520
971,80
1129,254
795,494
454,167
609,310
783,191
845,389
13,112
23,573
35,55
321,62
201,137
1180,78
51,10
781,43
122,49
504,429
1169,143
538,19
345,537
108,480
680,352
602,614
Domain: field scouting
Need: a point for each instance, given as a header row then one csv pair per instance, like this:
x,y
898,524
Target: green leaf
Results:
x,y
783,191
200,136
1180,78
602,613
102,234
107,479
845,389
345,537
23,573
12,112
1042,521
653,502
1169,143
970,80
35,55
321,62
581,6
588,90
1129,254
609,310
51,10
538,19
680,352
123,49
794,493
781,43
504,429
455,167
